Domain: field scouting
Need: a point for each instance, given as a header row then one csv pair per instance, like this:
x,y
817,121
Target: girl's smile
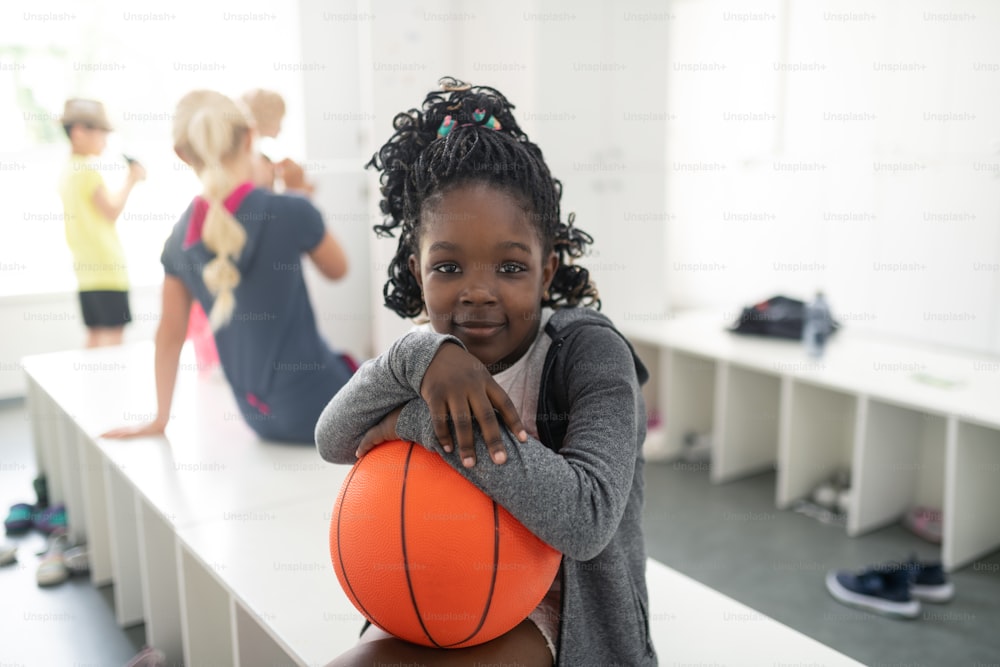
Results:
x,y
482,272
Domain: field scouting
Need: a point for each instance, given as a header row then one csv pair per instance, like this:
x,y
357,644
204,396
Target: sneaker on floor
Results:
x,y
77,561
19,519
41,491
925,522
52,569
8,553
148,657
929,581
51,519
884,589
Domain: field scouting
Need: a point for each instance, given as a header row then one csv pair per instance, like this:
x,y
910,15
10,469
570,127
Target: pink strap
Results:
x,y
261,406
232,202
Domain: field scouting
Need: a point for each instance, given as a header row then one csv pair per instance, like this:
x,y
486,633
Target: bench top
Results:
x,y
208,466
898,371
256,515
278,565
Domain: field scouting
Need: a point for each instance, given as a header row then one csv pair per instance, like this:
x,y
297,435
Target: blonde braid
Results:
x,y
211,132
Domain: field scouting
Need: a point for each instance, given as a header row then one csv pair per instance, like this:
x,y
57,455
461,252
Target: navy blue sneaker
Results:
x,y
883,589
928,581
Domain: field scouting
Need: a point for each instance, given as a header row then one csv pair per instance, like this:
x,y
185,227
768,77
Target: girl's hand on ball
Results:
x,y
457,385
384,431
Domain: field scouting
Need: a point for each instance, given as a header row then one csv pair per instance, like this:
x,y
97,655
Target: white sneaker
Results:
x,y
8,553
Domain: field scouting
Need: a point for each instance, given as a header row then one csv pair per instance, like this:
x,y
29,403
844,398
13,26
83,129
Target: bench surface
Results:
x,y
250,523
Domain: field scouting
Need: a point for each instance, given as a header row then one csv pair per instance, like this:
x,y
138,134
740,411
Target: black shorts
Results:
x,y
105,308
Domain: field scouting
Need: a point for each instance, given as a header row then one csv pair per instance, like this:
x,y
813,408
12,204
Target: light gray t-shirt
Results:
x,y
523,380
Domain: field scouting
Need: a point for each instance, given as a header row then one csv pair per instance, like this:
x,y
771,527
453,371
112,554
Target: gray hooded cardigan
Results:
x,y
581,492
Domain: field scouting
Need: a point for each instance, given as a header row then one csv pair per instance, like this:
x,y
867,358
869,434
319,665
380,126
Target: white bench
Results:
x,y
217,541
915,424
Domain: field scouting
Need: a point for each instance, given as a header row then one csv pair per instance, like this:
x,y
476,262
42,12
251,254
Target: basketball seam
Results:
x,y
493,578
340,555
406,562
496,567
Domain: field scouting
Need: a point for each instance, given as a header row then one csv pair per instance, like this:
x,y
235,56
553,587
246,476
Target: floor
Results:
x,y
728,536
731,537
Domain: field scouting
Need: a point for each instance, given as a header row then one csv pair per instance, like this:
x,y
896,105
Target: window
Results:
x,y
138,61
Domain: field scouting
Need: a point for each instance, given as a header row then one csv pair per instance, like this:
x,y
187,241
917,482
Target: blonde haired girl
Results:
x,y
238,251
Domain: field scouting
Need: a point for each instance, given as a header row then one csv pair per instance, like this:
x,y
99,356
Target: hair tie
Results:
x,y
449,123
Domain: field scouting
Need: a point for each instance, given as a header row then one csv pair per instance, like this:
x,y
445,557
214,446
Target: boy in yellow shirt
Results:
x,y
90,213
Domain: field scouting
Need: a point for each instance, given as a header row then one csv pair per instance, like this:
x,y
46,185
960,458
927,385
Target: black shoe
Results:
x,y
928,581
42,491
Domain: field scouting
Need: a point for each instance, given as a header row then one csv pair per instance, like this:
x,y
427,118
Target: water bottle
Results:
x,y
817,323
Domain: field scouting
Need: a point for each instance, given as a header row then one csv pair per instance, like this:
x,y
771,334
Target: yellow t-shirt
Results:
x,y
98,256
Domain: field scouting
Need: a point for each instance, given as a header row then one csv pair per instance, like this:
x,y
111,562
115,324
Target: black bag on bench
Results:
x,y
778,317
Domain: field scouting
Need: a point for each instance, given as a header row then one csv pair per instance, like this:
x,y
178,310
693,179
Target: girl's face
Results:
x,y
482,272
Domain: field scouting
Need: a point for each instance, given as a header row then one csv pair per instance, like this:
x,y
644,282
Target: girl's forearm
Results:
x,y
380,386
167,359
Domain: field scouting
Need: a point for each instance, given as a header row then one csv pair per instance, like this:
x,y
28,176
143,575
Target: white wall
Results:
x,y
850,147
589,86
141,69
41,323
719,154
336,116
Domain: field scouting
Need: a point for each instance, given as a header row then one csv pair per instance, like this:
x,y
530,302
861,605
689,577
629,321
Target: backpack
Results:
x,y
777,317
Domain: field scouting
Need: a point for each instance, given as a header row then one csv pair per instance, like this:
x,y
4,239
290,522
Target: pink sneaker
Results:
x,y
924,522
148,657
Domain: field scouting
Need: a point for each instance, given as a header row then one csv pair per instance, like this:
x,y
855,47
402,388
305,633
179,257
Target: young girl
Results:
x,y
268,110
532,397
238,250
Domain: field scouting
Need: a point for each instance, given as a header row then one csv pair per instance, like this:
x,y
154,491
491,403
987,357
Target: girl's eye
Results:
x,y
512,267
446,267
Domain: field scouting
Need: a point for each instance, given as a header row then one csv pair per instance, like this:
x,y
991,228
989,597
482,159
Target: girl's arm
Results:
x,y
170,335
573,500
329,257
376,389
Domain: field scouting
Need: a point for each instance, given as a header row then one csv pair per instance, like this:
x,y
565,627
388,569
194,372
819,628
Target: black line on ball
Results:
x,y
340,556
406,562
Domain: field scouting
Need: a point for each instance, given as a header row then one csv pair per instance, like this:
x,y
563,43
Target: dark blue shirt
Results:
x,y
280,369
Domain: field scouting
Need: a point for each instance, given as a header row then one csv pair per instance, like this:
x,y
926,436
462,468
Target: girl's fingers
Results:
x,y
366,446
508,413
462,419
439,420
491,429
384,431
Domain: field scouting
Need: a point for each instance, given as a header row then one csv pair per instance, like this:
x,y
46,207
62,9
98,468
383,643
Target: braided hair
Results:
x,y
417,167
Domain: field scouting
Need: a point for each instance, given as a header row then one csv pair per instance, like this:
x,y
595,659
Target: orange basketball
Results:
x,y
428,557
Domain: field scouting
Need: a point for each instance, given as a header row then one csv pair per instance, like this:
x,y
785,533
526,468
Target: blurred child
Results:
x,y
268,109
238,251
90,213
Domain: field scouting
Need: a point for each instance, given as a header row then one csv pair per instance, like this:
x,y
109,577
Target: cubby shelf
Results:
x,y
915,425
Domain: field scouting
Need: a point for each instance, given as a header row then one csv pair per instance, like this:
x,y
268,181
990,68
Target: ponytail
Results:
x,y
206,136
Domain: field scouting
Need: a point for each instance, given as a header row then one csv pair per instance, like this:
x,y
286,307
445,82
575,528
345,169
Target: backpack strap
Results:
x,y
551,413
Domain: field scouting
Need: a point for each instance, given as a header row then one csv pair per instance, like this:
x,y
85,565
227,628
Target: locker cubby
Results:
x,y
817,438
688,397
745,435
899,463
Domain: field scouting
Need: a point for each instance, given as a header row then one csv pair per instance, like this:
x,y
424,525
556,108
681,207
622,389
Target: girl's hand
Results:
x,y
384,431
457,385
124,432
294,176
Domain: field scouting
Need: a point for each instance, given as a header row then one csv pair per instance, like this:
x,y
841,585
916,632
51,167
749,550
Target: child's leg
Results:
x,y
104,336
524,646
